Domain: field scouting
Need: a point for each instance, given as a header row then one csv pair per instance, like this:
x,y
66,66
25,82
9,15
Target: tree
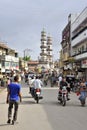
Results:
x,y
27,58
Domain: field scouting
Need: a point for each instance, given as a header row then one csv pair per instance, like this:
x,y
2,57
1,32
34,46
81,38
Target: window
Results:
x,y
3,64
82,48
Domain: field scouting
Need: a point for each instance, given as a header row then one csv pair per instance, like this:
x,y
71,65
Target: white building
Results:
x,y
43,47
8,58
79,42
46,58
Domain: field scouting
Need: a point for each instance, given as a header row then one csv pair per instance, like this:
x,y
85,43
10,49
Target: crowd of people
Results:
x,y
12,82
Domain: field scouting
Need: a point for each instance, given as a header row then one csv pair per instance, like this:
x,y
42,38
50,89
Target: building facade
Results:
x,y
66,46
79,43
8,58
74,45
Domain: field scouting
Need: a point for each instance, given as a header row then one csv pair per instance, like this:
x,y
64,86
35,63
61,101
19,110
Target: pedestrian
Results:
x,y
13,96
59,79
83,85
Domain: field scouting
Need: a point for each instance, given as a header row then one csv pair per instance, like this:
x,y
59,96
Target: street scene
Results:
x,y
48,114
43,65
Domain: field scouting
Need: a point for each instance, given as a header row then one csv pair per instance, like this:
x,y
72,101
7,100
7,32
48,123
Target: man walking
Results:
x,y
13,96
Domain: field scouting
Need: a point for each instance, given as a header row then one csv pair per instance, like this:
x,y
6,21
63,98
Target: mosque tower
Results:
x,y
49,49
43,47
46,57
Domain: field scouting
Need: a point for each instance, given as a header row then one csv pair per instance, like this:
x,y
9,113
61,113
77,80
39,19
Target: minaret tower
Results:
x,y
49,49
43,47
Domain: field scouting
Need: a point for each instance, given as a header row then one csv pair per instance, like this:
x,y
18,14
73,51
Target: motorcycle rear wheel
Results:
x,y
64,101
83,103
37,100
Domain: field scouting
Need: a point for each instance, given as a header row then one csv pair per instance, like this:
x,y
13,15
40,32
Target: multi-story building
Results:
x,y
8,58
67,58
66,47
61,64
74,44
79,43
33,66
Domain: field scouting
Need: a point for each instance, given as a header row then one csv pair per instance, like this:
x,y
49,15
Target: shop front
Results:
x,y
84,67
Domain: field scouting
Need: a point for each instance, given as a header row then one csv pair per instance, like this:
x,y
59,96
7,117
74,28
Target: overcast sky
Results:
x,y
21,22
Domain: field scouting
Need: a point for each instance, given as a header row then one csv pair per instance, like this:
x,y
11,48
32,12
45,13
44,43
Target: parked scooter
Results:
x,y
36,94
63,96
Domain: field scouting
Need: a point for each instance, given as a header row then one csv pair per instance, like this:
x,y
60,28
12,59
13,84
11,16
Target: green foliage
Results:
x,y
27,58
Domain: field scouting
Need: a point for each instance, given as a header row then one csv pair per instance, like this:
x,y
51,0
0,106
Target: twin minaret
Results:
x,y
46,48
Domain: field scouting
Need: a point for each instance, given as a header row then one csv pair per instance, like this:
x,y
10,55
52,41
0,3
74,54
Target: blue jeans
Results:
x,y
83,95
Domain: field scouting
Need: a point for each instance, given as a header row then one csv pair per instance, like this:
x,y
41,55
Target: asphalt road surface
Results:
x,y
47,115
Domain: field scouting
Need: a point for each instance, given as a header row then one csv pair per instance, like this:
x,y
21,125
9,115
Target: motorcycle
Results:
x,y
36,94
62,96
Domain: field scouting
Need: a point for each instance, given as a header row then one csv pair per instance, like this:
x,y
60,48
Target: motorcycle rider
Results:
x,y
37,83
31,80
63,83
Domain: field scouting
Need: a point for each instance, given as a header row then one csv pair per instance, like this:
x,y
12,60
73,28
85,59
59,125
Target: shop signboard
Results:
x,y
84,64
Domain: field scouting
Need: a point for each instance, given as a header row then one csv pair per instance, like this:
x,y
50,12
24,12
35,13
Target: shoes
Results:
x,y
12,122
68,99
9,121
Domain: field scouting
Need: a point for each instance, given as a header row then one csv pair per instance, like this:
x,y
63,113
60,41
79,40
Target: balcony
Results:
x,y
79,38
43,54
49,49
79,19
43,46
80,55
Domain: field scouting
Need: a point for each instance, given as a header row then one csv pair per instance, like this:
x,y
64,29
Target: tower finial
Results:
x,y
43,29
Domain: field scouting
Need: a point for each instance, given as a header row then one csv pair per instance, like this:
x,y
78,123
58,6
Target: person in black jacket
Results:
x,y
62,84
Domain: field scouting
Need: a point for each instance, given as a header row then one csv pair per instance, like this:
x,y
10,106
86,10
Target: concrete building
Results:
x,y
8,58
66,46
33,66
74,45
79,43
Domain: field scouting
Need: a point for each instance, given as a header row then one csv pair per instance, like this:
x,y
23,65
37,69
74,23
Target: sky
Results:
x,y
21,23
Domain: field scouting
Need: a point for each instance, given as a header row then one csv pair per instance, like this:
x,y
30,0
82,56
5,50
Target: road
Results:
x,y
47,115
